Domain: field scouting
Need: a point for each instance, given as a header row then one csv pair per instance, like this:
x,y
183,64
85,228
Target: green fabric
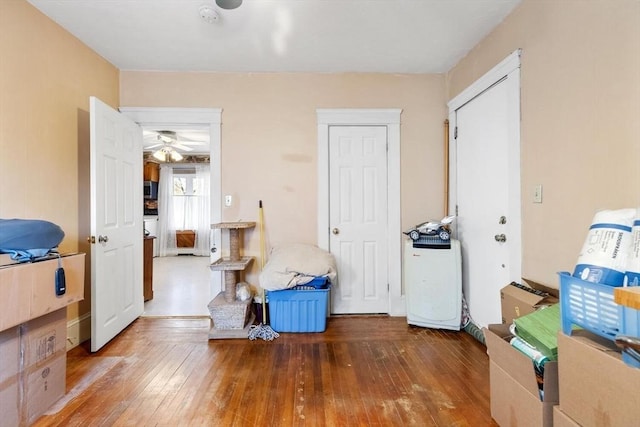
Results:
x,y
540,330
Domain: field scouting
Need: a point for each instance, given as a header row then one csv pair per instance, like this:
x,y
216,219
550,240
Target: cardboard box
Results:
x,y
9,377
10,403
44,383
515,397
597,387
560,419
517,302
32,368
27,290
44,338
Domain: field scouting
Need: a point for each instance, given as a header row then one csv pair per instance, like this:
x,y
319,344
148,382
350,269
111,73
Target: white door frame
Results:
x,y
201,117
367,117
509,66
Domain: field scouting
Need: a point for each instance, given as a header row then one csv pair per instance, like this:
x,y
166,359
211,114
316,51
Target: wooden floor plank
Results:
x,y
363,371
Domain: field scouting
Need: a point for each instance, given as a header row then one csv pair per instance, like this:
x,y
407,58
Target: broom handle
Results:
x,y
262,254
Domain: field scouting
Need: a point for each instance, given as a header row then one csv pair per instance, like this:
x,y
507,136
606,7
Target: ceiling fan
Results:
x,y
168,144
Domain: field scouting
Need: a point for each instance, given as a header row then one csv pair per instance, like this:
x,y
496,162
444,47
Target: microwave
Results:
x,y
150,190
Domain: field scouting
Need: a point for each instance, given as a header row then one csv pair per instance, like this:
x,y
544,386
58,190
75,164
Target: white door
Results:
x,y
358,218
116,223
488,196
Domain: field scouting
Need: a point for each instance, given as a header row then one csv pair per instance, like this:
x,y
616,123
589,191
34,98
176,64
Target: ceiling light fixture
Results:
x,y
175,156
160,155
166,154
228,4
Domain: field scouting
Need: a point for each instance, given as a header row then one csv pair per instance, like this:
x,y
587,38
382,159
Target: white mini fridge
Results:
x,y
433,286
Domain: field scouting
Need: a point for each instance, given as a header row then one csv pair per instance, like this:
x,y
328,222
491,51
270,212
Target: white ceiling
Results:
x,y
387,36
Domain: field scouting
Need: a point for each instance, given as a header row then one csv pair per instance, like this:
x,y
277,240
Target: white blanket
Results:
x,y
296,264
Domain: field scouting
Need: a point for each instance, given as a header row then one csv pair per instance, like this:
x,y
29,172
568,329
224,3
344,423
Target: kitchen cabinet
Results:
x,y
148,268
151,172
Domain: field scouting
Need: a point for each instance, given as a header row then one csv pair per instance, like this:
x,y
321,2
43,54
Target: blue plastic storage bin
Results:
x,y
592,306
298,310
589,305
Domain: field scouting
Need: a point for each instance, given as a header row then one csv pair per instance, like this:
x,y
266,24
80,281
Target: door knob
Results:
x,y
103,239
500,238
335,231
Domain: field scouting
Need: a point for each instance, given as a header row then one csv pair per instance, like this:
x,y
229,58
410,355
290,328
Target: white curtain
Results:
x,y
166,231
183,204
202,211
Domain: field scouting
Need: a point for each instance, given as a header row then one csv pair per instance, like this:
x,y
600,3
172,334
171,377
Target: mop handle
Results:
x,y
264,298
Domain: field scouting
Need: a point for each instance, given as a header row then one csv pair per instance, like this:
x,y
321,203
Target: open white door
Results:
x,y
116,223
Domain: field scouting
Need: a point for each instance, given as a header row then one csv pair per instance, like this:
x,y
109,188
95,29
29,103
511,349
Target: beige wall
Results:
x,y
269,138
46,78
580,79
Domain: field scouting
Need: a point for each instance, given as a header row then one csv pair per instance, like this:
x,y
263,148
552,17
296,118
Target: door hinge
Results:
x,y
455,132
456,210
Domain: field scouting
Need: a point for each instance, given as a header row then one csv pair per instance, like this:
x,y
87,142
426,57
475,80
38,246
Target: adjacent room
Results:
x,y
316,212
177,226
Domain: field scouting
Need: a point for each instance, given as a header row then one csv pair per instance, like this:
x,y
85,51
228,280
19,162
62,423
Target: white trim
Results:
x,y
78,330
181,117
508,69
379,117
506,66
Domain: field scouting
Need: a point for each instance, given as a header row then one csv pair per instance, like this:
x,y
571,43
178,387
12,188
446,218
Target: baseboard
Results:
x,y
78,330
398,306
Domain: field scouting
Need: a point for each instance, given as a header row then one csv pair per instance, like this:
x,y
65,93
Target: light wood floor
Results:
x,y
181,287
363,371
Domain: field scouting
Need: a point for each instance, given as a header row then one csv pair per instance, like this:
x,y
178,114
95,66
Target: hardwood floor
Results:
x,y
363,371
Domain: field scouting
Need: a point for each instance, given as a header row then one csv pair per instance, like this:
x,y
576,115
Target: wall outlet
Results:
x,y
227,200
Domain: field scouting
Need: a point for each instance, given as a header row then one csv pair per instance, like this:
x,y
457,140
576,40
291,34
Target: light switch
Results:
x,y
537,194
227,200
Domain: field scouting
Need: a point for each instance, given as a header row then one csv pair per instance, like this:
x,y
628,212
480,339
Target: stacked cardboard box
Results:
x,y
596,387
517,301
28,291
10,377
560,419
517,399
33,360
33,335
518,396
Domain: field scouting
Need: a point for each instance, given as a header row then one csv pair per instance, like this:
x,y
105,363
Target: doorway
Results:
x,y
369,119
183,283
485,186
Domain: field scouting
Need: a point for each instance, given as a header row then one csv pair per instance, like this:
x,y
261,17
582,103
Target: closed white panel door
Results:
x,y
488,198
116,223
358,218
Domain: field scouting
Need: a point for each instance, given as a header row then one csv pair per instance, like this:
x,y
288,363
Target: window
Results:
x,y
187,196
187,185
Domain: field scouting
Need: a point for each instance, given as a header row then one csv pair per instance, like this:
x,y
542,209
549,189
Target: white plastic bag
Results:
x,y
632,275
603,258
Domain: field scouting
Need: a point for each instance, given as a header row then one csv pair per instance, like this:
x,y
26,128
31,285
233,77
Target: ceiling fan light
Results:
x,y
160,155
228,4
175,156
